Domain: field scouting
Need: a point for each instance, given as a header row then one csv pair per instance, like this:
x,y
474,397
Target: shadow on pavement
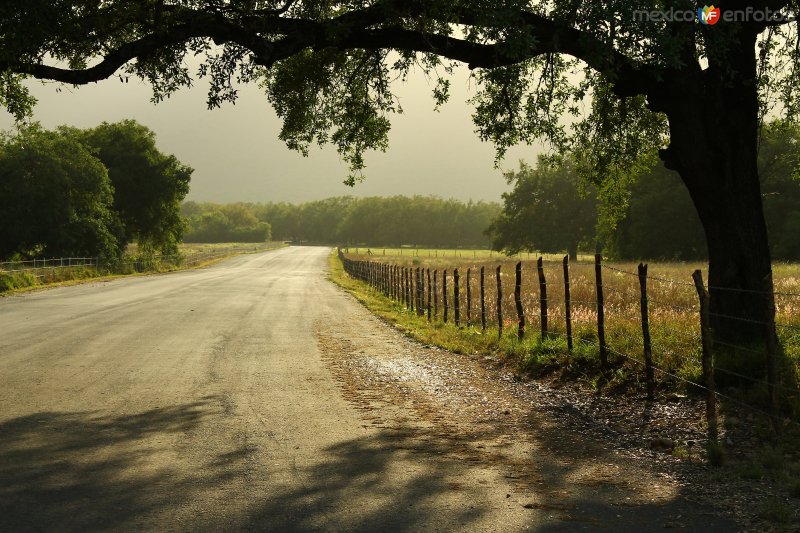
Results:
x,y
87,472
80,471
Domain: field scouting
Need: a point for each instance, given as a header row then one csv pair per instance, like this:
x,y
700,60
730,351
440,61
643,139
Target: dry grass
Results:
x,y
673,306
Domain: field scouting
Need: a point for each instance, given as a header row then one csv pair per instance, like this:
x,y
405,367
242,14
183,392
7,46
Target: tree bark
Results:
x,y
713,117
572,251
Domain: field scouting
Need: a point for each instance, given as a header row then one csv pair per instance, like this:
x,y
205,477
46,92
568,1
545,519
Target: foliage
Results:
x,y
660,221
55,198
373,221
547,210
211,223
90,192
418,220
148,185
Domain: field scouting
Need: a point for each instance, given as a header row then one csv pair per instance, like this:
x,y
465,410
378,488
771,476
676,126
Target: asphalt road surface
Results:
x,y
205,400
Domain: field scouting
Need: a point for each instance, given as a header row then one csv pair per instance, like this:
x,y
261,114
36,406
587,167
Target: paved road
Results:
x,y
201,401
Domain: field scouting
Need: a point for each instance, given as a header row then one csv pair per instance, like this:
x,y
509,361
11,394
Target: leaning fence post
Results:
x,y
542,296
601,325
518,302
708,362
567,303
648,353
483,304
469,297
444,293
456,307
499,304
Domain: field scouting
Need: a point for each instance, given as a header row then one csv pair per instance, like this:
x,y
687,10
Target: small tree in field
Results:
x,y
545,211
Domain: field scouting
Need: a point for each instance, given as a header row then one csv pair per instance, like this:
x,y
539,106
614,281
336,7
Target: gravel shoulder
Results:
x,y
563,468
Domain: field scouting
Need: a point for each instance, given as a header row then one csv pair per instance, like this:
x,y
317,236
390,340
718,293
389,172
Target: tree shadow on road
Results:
x,y
387,481
78,471
87,471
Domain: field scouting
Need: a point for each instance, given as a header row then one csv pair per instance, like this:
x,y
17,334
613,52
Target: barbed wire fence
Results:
x,y
672,339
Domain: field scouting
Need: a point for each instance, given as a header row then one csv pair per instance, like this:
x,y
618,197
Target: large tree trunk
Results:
x,y
713,118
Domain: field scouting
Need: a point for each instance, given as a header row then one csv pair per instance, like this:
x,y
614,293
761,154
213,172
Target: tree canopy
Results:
x,y
55,198
88,192
547,210
372,221
148,184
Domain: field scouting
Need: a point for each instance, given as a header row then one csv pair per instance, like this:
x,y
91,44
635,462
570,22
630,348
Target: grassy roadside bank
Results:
x,y
530,355
192,256
756,461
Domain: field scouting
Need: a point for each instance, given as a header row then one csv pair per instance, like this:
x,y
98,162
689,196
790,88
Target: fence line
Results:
x,y
373,272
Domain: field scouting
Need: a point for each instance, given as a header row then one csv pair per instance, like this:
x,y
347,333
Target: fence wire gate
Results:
x,y
601,309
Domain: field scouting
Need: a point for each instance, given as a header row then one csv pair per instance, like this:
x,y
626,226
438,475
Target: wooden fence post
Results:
x,y
772,355
648,353
518,302
411,288
483,304
469,297
708,362
567,303
406,288
456,307
542,297
444,294
417,289
499,304
420,292
435,295
601,324
428,270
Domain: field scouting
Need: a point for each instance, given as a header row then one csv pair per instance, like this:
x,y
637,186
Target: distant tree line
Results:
x,y
88,192
376,221
549,209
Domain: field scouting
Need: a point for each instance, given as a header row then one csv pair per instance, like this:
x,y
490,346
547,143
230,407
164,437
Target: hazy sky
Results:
x,y
236,153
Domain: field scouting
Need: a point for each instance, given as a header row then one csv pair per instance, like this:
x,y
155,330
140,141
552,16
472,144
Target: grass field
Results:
x,y
673,313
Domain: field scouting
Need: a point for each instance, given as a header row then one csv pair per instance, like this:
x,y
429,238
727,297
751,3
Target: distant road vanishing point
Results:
x,y
213,400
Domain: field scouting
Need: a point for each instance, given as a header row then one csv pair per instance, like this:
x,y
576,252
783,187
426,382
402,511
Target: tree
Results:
x,y
545,211
55,198
148,185
223,223
659,222
694,91
779,169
